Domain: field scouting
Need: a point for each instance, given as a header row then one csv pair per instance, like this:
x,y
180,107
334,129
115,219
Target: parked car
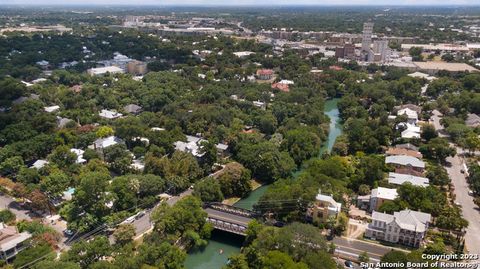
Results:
x,y
68,232
140,214
129,220
348,264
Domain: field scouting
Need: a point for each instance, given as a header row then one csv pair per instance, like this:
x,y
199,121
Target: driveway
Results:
x,y
8,203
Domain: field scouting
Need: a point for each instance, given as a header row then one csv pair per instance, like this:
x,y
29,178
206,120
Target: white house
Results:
x,y
79,154
11,241
259,104
51,109
402,161
406,227
243,54
381,195
412,115
191,146
399,179
323,208
103,143
38,164
412,131
286,82
109,114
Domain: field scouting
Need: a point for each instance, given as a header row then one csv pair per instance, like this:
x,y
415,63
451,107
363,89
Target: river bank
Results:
x,y
210,257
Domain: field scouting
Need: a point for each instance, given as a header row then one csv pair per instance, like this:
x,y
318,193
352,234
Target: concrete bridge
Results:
x,y
229,218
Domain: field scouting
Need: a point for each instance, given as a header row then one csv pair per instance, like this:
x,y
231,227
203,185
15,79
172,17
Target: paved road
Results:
x,y
469,209
435,120
8,203
239,220
143,224
347,247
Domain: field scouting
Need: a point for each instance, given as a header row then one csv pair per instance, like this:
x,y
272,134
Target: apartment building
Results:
x,y
406,227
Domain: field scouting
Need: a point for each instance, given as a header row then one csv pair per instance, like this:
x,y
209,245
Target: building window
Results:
x,y
396,229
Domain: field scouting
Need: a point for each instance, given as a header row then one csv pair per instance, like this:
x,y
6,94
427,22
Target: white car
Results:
x,y
129,220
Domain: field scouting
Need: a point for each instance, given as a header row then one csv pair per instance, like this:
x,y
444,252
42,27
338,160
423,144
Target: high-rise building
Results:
x,y
367,36
366,53
381,50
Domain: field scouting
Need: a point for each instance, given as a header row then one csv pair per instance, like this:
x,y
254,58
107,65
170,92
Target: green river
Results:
x,y
210,257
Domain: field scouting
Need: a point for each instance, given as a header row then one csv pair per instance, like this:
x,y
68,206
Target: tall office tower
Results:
x,y
380,48
367,36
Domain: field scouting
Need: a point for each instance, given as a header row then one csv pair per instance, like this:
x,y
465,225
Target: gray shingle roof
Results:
x,y
405,160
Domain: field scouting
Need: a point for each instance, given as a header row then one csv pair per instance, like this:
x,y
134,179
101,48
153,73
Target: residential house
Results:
x,y
413,107
132,109
406,227
79,154
399,179
109,114
192,145
381,195
62,122
473,120
407,146
222,150
138,165
403,161
43,64
103,143
51,109
323,208
11,241
260,105
243,54
38,164
394,151
412,115
264,74
412,131
22,99
281,87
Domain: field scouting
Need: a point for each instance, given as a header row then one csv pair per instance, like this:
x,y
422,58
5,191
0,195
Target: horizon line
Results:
x,y
234,5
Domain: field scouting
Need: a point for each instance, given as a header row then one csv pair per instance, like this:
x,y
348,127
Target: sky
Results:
x,y
240,2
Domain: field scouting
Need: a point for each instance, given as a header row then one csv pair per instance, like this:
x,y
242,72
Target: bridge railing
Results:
x,y
232,210
227,226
